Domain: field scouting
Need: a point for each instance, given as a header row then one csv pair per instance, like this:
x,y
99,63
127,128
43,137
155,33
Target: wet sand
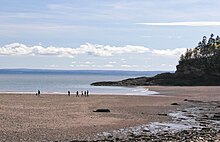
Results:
x,y
203,93
25,117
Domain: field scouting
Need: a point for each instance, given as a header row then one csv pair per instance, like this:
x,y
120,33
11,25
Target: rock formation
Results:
x,y
198,66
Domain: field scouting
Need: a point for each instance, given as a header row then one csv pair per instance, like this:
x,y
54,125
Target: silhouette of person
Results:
x,y
77,93
68,93
87,93
38,92
81,93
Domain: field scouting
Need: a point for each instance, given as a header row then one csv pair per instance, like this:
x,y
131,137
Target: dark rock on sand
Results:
x,y
162,114
102,110
174,104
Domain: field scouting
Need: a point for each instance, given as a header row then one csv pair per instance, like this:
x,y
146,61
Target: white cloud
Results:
x,y
88,62
91,49
210,23
97,50
15,49
109,66
101,50
169,52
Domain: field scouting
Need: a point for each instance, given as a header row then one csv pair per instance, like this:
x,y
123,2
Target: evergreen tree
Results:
x,y
204,49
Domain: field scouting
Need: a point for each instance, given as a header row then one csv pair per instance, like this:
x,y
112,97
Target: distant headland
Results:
x,y
198,66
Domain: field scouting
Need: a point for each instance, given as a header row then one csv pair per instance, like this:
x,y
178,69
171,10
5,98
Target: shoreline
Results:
x,y
63,118
140,92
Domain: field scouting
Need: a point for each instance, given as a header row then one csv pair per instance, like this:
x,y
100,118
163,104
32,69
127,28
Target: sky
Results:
x,y
141,35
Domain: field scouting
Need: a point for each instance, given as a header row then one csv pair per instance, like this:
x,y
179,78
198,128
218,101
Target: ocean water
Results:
x,y
54,82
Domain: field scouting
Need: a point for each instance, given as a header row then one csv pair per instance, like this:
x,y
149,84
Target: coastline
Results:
x,y
63,118
124,91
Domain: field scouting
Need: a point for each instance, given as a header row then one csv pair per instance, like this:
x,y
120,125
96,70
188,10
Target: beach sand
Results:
x,y
55,117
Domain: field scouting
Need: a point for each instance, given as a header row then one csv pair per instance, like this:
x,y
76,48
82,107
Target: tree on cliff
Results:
x,y
204,49
201,63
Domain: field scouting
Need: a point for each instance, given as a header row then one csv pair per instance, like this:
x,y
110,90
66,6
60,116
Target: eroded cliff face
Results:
x,y
185,70
192,72
199,68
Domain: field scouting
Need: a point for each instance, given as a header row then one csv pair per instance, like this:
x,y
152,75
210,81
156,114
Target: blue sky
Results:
x,y
98,34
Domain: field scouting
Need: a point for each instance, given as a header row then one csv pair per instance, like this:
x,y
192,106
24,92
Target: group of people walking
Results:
x,y
83,93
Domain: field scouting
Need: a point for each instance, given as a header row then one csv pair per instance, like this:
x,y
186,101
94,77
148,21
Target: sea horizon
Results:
x,y
40,70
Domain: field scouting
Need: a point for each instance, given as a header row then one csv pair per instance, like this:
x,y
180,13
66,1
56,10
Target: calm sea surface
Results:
x,y
61,83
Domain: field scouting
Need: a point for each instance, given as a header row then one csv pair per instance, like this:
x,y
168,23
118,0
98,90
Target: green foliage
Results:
x,y
204,49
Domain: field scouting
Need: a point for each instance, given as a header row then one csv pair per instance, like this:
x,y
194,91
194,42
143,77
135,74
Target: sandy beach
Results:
x,y
55,117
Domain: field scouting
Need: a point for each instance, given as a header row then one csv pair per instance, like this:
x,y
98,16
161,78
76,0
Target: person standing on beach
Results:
x,y
81,93
77,93
68,93
38,92
87,93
